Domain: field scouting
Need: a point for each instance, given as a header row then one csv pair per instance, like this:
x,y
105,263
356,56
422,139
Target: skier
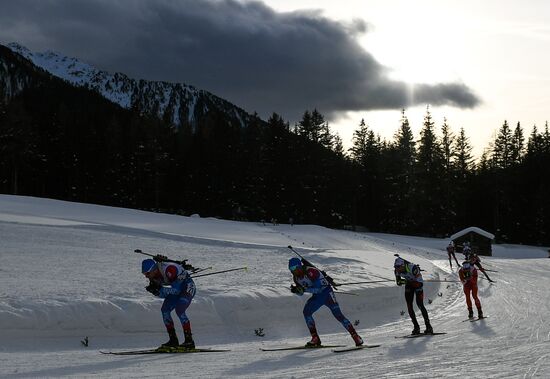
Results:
x,y
468,277
310,279
409,274
171,282
451,252
466,250
473,259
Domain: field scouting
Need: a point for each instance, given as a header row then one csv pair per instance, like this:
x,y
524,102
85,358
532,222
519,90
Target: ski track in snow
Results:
x,y
67,274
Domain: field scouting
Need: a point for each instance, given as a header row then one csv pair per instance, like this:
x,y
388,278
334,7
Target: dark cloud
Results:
x,y
243,51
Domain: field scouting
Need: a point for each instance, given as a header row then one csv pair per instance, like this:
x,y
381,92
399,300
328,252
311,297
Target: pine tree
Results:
x,y
400,179
430,166
517,145
338,146
366,153
502,150
447,145
463,158
314,128
359,142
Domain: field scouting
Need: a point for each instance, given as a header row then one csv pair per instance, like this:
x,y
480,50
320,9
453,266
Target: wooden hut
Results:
x,y
479,239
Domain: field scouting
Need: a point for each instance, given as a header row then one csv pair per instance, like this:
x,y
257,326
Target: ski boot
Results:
x,y
357,339
315,341
470,313
188,343
479,313
429,329
173,341
415,331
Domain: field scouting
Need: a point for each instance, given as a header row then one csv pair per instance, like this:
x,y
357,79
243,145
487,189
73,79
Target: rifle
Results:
x,y
163,258
305,262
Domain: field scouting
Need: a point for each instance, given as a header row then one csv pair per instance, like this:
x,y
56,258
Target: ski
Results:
x,y
421,335
474,319
303,347
353,348
478,318
162,351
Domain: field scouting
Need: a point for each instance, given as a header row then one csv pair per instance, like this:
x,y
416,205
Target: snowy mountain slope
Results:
x,y
68,271
177,102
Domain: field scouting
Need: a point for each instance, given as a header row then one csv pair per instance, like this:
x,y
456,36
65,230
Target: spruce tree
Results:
x,y
430,166
517,145
502,149
400,180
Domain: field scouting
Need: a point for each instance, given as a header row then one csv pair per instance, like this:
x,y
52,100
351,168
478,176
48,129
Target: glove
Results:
x,y
153,288
400,281
298,290
160,258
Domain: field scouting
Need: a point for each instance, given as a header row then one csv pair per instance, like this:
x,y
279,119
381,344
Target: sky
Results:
x,y
475,63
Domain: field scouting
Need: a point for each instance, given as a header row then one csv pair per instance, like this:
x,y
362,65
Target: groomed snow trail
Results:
x,y
66,275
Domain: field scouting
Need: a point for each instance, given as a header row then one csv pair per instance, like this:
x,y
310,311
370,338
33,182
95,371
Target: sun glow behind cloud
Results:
x,y
419,45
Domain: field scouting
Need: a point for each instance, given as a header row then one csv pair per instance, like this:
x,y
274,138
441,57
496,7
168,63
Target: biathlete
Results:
x,y
409,274
310,279
468,277
171,281
451,253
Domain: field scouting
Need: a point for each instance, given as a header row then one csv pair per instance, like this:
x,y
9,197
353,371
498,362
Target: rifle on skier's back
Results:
x,y
305,262
163,258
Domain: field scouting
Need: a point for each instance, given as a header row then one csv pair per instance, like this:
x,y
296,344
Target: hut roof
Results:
x,y
475,230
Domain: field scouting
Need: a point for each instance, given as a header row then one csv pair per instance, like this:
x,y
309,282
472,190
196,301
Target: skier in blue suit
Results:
x,y
171,282
310,279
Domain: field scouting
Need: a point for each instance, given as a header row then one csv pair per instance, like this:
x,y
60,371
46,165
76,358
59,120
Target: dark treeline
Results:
x,y
432,186
68,143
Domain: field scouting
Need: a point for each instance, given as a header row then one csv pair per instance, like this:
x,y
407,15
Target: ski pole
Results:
x,y
201,270
347,293
366,282
220,272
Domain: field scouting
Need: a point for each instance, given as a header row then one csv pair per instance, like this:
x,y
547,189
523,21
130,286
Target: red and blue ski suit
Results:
x,y
313,281
177,289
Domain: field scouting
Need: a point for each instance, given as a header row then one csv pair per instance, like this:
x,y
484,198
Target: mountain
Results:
x,y
177,103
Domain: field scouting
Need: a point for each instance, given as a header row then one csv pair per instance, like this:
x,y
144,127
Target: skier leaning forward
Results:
x,y
409,274
310,279
171,282
468,277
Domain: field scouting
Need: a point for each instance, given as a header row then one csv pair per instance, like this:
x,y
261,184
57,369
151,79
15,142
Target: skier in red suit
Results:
x,y
468,277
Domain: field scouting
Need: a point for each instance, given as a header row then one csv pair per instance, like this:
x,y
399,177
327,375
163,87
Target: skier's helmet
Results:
x,y
148,265
466,265
294,263
399,262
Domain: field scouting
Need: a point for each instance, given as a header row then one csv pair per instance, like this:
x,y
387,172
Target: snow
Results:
x,y
475,230
68,271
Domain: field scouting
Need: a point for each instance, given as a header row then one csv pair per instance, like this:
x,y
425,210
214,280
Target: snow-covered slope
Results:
x,y
68,271
177,102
